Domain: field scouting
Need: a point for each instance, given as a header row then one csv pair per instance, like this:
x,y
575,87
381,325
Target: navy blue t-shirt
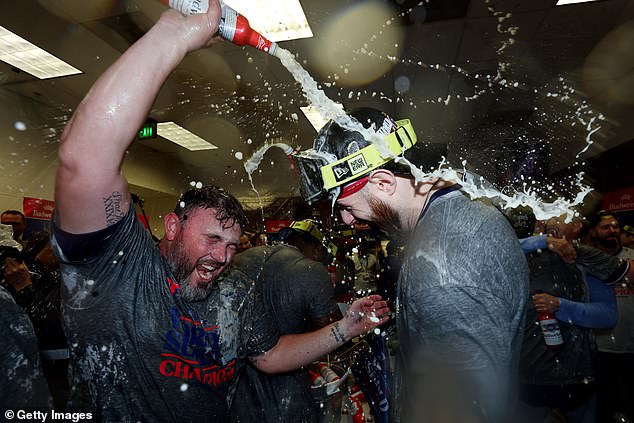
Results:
x,y
139,352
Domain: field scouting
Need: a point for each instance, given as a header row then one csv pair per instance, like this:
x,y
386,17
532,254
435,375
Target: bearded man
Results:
x,y
463,283
616,346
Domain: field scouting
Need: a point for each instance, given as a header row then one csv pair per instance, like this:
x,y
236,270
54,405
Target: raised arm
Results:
x,y
90,191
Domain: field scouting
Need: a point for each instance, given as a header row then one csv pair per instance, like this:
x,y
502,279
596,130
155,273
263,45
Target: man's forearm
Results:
x,y
295,351
118,103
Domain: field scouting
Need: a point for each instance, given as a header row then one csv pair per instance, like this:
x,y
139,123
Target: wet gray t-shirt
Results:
x,y
461,296
141,353
22,384
295,290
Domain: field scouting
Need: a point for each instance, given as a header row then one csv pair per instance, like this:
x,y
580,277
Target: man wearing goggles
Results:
x,y
463,284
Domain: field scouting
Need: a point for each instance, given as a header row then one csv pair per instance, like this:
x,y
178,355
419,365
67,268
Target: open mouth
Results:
x,y
206,272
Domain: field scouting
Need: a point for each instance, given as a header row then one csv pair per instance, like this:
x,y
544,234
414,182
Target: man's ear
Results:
x,y
383,180
172,225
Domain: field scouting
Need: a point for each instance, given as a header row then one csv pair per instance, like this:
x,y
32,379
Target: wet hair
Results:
x,y
9,252
14,212
229,211
594,220
297,238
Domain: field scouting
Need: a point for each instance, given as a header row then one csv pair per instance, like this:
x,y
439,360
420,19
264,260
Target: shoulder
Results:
x,y
236,280
457,216
8,306
627,253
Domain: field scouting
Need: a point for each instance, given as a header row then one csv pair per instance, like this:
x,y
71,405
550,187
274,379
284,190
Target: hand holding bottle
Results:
x,y
546,303
232,26
194,31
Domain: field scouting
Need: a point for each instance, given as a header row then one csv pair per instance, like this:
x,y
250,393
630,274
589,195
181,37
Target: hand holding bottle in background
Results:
x,y
546,305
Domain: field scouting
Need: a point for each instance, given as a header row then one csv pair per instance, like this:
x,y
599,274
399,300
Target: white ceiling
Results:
x,y
239,98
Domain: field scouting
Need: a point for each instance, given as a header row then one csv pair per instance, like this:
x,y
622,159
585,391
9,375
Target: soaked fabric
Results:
x,y
139,352
616,356
22,384
295,291
609,269
620,340
574,361
461,297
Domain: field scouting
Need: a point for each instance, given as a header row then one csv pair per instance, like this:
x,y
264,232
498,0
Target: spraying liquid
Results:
x,y
235,28
475,187
253,163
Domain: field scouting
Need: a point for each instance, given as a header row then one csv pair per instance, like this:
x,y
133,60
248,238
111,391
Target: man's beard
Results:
x,y
610,242
183,267
386,218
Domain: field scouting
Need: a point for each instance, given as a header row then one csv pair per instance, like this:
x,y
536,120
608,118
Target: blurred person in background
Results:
x,y
244,243
35,286
22,385
604,233
16,220
391,267
366,267
616,346
627,236
341,271
258,239
562,378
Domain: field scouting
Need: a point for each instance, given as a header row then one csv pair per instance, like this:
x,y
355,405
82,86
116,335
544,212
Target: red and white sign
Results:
x,y
618,201
274,226
37,208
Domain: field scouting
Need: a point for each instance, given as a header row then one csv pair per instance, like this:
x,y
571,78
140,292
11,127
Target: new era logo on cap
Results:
x,y
350,167
340,172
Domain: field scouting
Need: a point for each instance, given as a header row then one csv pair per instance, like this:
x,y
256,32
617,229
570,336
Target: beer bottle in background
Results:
x,y
550,329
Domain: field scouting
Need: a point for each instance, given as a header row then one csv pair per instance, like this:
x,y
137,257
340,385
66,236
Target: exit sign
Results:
x,y
148,130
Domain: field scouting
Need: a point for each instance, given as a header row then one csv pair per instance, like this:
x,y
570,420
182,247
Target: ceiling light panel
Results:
x,y
315,117
182,137
28,57
276,20
564,2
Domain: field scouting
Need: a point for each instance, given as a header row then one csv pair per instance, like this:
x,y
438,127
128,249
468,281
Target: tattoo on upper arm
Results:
x,y
112,206
336,333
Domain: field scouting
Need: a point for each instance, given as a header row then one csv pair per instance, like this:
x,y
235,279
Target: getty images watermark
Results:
x,y
45,416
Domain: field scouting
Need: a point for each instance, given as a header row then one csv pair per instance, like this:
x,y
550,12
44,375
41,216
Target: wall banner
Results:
x,y
619,201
